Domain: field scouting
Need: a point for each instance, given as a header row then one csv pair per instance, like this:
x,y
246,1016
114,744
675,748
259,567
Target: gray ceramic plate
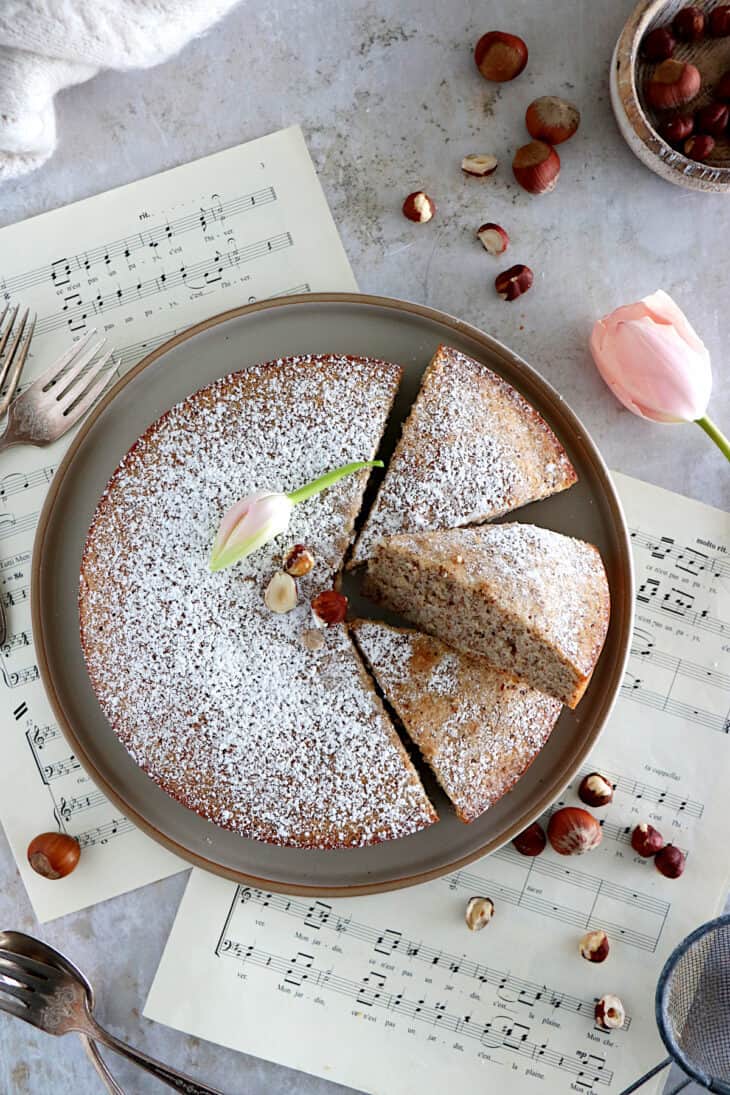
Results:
x,y
391,329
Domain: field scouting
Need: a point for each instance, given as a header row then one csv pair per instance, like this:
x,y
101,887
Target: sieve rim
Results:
x,y
660,1006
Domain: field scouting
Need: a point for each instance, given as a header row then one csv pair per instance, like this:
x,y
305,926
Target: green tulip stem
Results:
x,y
722,442
330,479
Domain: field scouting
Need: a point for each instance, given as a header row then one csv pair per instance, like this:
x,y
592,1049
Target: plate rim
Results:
x,y
624,609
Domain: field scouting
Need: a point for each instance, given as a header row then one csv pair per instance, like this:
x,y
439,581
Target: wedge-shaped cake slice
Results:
x,y
533,602
472,448
478,728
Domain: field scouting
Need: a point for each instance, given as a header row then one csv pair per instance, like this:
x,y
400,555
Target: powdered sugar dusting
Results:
x,y
478,728
213,695
472,449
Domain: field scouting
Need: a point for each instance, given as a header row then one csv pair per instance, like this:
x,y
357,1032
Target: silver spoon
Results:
x,y
19,943
48,991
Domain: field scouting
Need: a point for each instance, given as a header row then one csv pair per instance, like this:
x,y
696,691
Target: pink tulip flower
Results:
x,y
655,363
263,515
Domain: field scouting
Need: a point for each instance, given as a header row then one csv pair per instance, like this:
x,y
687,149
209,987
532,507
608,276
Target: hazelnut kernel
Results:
x,y
594,946
699,147
722,88
299,561
712,119
419,207
479,911
536,167
610,1013
493,238
646,840
531,841
312,639
677,129
658,44
689,24
595,790
54,855
673,84
720,21
512,283
479,164
329,608
280,594
552,119
573,831
499,56
670,861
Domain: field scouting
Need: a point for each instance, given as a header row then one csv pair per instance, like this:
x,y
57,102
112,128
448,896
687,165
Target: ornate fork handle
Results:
x,y
167,1075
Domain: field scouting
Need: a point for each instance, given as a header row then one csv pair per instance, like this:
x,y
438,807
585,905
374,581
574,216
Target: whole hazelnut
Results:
x,y
646,840
722,88
552,119
499,56
610,1013
699,148
514,282
594,946
720,21
419,207
479,164
329,608
595,790
689,24
493,238
531,841
536,167
658,44
676,130
54,855
673,84
573,831
712,119
299,561
670,861
479,911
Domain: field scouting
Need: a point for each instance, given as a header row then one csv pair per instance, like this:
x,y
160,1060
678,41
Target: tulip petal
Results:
x,y
248,525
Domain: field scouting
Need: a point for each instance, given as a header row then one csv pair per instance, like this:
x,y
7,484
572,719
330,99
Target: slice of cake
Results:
x,y
472,448
533,602
216,697
478,728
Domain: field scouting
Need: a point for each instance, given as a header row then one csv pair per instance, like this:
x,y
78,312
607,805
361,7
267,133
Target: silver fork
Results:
x,y
53,998
60,397
19,943
13,350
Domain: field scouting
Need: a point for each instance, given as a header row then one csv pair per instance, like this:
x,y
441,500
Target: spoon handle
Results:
x,y
170,1076
100,1065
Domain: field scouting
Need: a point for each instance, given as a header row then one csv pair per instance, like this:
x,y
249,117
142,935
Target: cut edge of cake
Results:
x,y
531,601
478,729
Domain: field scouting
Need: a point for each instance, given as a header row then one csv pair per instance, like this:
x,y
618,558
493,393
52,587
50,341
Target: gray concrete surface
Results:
x,y
390,101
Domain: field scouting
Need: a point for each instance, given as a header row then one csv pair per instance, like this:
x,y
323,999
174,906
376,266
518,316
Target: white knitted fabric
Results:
x,y
46,45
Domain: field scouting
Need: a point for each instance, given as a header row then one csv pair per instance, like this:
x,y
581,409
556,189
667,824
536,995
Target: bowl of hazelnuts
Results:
x,y
670,90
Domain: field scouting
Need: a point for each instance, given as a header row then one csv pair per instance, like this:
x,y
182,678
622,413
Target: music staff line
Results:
x,y
633,689
598,887
318,915
200,275
679,603
644,648
690,560
649,792
371,993
148,238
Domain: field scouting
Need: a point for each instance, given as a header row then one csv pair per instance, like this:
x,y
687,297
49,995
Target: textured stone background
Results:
x,y
390,101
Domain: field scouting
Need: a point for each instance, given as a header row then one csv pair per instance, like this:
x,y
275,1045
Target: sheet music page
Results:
x,y
392,993
138,264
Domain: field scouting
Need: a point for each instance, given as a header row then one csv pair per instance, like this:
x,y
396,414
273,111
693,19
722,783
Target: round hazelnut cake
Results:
x,y
245,715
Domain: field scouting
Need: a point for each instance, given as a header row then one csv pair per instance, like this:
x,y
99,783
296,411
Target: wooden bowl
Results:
x,y
639,122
